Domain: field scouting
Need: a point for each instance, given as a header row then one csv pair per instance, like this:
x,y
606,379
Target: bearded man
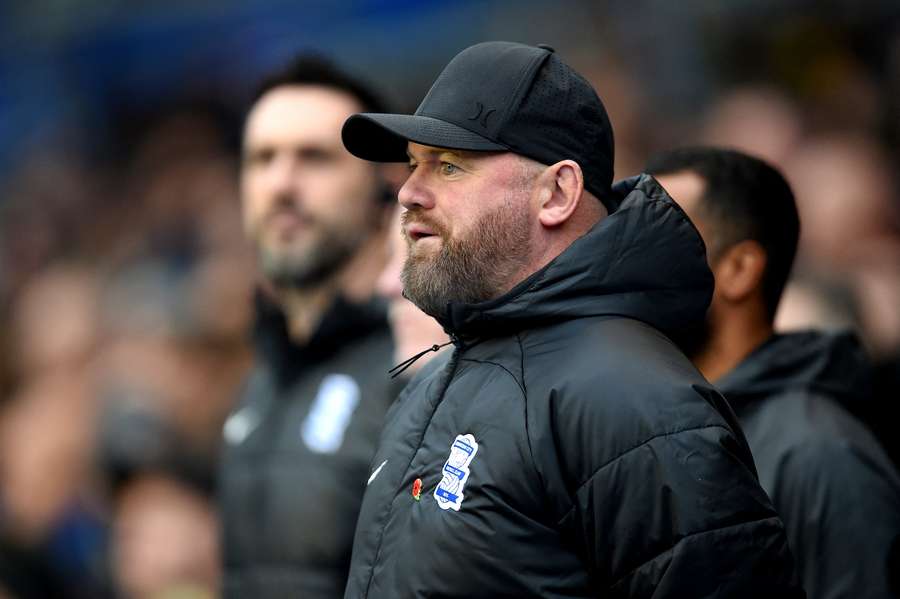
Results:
x,y
565,447
297,447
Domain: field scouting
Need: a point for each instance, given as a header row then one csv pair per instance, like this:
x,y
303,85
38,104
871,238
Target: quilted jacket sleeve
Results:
x,y
680,516
660,497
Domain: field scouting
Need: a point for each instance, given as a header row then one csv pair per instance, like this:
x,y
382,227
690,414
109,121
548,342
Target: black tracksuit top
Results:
x,y
297,451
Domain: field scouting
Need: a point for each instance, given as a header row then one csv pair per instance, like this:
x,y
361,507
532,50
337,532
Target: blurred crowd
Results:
x,y
126,284
127,299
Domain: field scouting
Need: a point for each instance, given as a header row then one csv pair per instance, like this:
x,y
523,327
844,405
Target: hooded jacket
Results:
x,y
835,488
566,447
297,450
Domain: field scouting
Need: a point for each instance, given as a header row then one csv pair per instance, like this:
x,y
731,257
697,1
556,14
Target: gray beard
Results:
x,y
473,269
310,269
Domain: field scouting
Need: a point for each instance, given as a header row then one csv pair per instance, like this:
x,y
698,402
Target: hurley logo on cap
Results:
x,y
483,119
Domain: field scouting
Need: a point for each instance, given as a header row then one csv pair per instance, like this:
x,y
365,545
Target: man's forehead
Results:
x,y
686,188
307,110
414,150
420,151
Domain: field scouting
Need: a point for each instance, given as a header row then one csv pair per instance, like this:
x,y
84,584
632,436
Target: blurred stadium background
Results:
x,y
125,283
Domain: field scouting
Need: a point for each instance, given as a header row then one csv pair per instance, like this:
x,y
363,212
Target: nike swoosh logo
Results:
x,y
377,471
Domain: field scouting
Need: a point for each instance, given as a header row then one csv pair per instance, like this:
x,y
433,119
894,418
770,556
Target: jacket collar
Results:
x,y
833,364
644,261
341,324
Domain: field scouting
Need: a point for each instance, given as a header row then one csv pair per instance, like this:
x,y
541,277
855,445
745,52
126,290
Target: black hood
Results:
x,y
832,364
644,261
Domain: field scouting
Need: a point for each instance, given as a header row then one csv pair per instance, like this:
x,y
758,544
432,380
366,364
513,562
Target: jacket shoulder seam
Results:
x,y
502,367
534,465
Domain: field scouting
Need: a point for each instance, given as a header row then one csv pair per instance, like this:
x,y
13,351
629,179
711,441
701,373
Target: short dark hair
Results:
x,y
744,198
312,69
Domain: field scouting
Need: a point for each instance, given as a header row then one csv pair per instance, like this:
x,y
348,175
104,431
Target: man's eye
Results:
x,y
258,157
316,155
449,169
412,166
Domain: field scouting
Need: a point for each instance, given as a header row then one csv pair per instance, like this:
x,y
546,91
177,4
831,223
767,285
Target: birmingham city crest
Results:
x,y
455,473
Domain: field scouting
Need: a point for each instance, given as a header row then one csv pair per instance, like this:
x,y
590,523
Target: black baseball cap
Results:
x,y
500,96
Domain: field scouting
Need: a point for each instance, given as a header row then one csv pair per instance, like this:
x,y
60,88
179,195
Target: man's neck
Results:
x,y
731,341
304,309
554,242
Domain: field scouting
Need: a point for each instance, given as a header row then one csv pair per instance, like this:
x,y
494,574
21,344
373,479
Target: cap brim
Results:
x,y
383,137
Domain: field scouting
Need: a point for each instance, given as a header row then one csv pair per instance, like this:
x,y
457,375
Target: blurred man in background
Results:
x,y
298,446
830,480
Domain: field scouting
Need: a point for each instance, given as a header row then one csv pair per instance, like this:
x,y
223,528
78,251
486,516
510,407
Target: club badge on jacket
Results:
x,y
455,473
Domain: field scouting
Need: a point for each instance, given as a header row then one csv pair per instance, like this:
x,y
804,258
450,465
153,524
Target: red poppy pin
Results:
x,y
417,489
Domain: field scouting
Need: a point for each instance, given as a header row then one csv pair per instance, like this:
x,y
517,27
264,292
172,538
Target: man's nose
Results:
x,y
283,177
415,193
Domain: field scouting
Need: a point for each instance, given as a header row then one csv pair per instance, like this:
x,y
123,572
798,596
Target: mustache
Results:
x,y
288,206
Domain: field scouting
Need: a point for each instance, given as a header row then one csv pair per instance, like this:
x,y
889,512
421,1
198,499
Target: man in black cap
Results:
x,y
565,447
831,482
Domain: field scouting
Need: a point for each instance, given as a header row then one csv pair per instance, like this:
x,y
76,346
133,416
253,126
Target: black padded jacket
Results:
x,y
566,447
833,485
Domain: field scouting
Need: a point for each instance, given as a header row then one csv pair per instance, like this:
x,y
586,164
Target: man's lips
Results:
x,y
287,220
417,231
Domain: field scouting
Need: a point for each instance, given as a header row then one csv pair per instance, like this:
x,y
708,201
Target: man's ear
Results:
x,y
739,271
560,189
